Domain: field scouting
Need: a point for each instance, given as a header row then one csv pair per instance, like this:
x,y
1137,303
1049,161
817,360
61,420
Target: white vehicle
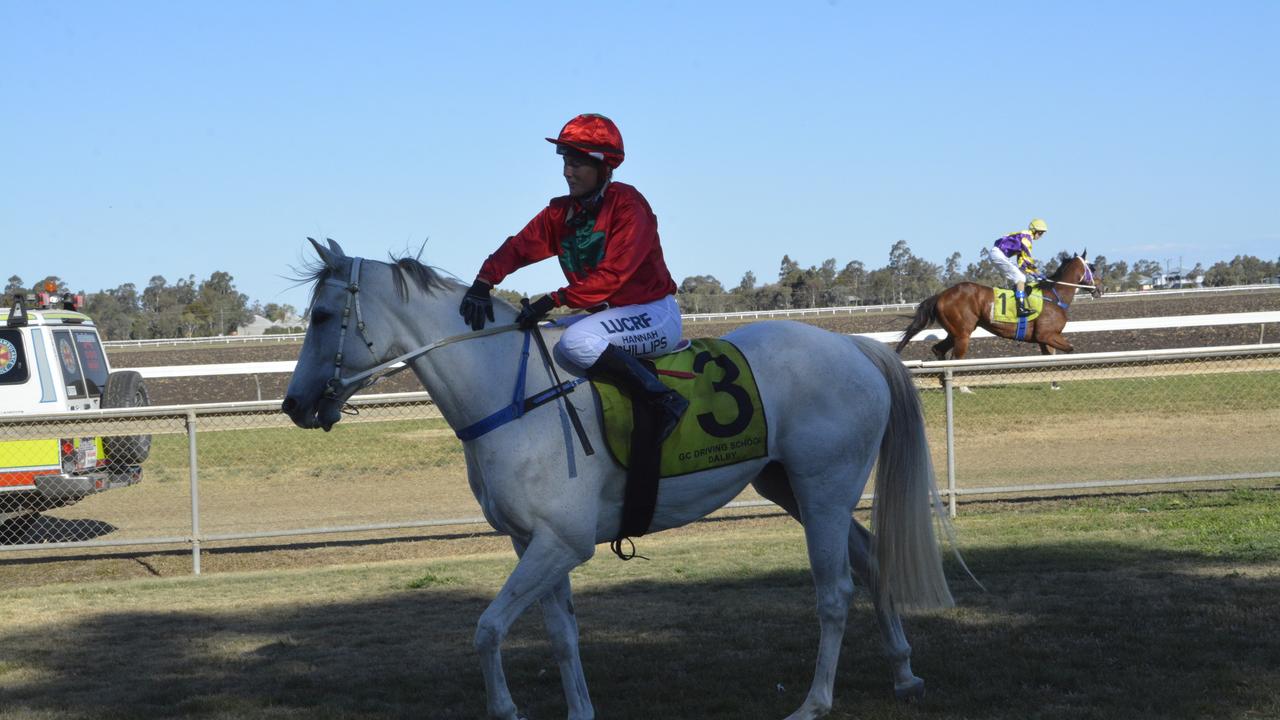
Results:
x,y
51,361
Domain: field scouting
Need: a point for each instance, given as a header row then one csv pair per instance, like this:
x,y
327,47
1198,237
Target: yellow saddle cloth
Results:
x,y
724,424
1004,309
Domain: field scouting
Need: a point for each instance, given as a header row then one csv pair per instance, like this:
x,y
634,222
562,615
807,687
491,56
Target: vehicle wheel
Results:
x,y
125,390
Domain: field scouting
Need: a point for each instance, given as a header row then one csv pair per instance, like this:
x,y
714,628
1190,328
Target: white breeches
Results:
x,y
1008,267
646,330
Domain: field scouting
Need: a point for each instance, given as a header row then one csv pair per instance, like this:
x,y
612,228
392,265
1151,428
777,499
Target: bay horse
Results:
x,y
968,305
836,406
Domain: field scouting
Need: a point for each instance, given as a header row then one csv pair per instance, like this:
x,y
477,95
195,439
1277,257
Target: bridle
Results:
x,y
515,410
337,384
1088,278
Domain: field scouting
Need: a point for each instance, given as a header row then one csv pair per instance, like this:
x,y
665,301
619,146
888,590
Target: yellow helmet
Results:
x,y
1038,225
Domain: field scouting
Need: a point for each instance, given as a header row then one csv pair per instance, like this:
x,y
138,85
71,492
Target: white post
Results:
x,y
195,492
951,443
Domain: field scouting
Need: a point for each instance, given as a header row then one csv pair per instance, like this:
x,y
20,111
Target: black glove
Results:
x,y
534,311
476,305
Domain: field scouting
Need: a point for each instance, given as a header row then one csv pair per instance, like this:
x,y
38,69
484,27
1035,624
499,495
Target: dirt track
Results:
x,y
165,391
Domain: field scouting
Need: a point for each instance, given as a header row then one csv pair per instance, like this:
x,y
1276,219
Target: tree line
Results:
x,y
908,278
191,308
186,308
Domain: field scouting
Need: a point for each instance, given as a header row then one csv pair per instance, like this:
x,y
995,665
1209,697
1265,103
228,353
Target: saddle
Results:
x,y
725,423
1004,306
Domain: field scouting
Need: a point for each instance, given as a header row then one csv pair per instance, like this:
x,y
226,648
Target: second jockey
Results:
x,y
1012,254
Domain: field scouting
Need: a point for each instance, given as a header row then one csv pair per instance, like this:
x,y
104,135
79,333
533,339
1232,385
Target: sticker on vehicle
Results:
x,y
68,355
8,356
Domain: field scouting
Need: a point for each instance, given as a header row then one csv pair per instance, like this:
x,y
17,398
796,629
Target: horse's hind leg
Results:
x,y
773,485
942,347
826,527
545,563
905,684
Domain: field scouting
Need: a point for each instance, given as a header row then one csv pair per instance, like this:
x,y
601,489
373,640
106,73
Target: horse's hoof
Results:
x,y
908,691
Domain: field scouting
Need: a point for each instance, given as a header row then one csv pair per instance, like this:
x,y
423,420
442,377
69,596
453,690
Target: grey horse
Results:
x,y
835,405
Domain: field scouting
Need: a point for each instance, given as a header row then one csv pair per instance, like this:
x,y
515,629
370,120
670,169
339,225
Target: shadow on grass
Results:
x,y
1087,630
36,528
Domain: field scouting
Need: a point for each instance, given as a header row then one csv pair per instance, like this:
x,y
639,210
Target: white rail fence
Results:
x,y
932,334
230,473
704,317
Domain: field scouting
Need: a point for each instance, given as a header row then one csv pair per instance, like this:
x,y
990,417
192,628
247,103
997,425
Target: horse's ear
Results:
x,y
335,247
1085,255
326,255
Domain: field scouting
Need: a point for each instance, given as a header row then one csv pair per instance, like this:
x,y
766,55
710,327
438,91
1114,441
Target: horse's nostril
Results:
x,y
288,405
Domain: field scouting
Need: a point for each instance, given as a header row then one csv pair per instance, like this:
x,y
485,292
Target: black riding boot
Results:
x,y
1023,309
621,367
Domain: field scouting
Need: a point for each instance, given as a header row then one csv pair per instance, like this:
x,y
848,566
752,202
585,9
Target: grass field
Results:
x,y
1147,606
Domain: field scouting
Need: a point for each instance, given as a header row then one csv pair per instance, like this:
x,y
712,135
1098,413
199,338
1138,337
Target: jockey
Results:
x,y
1013,256
606,238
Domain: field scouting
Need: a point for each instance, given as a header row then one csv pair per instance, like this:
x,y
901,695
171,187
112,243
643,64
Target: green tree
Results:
x,y
1140,270
116,312
702,293
14,287
985,271
220,306
1241,270
744,295
951,273
853,278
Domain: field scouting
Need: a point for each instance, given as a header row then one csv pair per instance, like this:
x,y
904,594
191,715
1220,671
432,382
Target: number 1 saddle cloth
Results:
x,y
1004,308
725,422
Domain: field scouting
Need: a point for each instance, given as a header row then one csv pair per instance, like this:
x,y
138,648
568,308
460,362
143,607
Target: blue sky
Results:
x,y
161,138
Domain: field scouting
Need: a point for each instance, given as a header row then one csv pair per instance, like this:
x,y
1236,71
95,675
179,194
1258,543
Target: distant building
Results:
x,y
1172,280
259,325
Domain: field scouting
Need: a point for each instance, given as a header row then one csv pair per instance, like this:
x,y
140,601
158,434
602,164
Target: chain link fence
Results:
x,y
211,473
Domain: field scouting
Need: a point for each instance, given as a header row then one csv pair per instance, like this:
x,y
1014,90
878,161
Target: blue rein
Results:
x,y
519,403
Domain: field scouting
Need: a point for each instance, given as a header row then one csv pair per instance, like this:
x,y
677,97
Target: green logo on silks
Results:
x,y
724,424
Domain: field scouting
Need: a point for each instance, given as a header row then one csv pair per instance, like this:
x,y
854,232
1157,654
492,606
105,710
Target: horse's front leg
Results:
x,y
562,628
545,563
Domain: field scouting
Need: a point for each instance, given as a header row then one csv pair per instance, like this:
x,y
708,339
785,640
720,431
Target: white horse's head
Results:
x,y
358,322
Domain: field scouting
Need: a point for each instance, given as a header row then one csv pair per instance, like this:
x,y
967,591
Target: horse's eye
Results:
x,y
319,315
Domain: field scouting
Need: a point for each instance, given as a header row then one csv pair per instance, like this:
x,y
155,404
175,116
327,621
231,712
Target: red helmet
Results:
x,y
595,135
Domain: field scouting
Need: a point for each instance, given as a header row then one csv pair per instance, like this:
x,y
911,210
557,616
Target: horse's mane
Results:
x,y
403,270
1062,267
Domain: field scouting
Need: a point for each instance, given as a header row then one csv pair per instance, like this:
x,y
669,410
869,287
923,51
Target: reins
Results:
x,y
1088,271
519,404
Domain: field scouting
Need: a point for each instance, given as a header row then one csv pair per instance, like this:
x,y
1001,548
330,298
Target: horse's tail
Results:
x,y
926,314
905,547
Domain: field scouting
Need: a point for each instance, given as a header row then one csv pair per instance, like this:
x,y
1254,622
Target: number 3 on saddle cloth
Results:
x,y
1004,309
725,422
